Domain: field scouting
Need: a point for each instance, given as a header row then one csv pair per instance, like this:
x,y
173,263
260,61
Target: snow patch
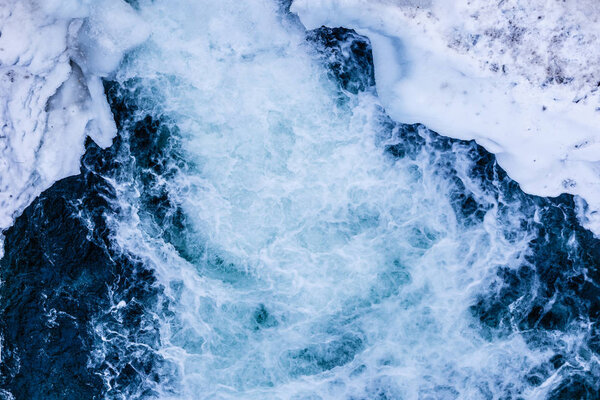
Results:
x,y
521,78
53,55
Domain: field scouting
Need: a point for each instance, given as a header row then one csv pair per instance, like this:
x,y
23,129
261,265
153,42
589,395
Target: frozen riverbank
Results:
x,y
52,56
521,78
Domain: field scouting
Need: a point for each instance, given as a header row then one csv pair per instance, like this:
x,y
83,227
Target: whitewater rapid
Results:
x,y
309,262
260,228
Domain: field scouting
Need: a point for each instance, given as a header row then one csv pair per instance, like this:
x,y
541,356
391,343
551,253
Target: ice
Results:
x,y
521,78
52,57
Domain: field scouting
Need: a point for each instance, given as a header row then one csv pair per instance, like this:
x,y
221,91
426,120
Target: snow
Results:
x,y
521,78
53,55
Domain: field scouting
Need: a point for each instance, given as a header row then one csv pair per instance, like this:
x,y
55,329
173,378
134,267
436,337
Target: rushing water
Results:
x,y
260,229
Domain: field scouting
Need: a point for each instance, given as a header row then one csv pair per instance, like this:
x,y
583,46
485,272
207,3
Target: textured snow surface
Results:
x,y
520,77
52,56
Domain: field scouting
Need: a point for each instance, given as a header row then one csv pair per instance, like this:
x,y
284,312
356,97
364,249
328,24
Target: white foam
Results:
x,y
52,55
491,72
291,203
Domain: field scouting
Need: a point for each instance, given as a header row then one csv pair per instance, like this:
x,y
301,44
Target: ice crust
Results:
x,y
53,54
519,77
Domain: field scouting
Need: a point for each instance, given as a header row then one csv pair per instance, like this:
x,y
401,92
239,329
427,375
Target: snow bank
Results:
x,y
521,78
52,57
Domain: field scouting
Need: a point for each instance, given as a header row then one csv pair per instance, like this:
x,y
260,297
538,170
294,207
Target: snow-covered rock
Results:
x,y
52,57
520,77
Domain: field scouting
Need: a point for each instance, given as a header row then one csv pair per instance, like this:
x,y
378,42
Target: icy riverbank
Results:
x,y
52,56
521,78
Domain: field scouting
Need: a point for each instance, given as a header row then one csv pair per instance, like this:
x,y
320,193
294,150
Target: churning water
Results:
x,y
260,229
